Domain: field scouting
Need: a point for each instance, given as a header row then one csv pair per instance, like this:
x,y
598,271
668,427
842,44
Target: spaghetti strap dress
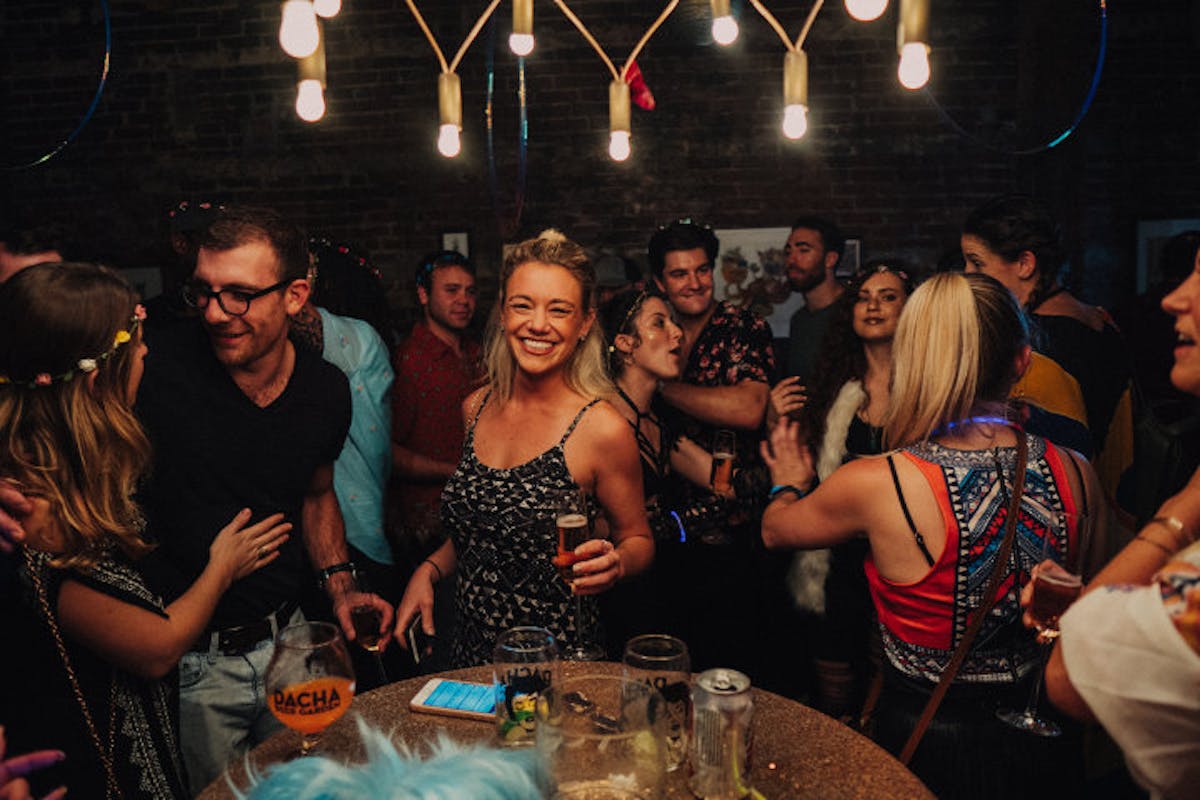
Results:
x,y
502,524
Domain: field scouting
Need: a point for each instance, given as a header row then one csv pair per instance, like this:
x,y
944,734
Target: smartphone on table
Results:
x,y
456,699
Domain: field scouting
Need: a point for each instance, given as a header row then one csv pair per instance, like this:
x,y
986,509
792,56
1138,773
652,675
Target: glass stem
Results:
x,y
1035,693
581,633
309,741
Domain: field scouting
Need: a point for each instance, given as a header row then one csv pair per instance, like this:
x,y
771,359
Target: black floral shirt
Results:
x,y
735,346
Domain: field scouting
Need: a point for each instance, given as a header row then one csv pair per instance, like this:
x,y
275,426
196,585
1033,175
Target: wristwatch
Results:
x,y
324,575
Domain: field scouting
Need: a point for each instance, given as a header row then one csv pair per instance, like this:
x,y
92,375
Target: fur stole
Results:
x,y
806,578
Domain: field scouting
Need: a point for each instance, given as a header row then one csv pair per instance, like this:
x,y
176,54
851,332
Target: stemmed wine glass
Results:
x,y
1054,589
574,528
309,680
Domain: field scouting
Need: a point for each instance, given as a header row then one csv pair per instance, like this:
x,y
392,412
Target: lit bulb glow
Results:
x,y
795,121
914,65
449,141
298,31
520,43
724,30
866,10
310,100
618,145
327,8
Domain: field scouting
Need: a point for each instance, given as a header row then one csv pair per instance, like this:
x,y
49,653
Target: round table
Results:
x,y
798,752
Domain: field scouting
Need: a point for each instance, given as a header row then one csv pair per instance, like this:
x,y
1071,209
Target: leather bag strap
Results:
x,y
989,599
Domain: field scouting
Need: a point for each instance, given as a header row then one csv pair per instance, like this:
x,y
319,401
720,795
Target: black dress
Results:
x,y
502,524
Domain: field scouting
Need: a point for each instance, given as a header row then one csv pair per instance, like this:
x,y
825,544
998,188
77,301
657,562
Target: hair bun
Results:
x,y
552,235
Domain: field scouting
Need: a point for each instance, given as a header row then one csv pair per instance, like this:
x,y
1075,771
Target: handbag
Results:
x,y
989,599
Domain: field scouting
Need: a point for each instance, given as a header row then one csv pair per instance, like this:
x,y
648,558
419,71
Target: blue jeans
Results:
x,y
223,708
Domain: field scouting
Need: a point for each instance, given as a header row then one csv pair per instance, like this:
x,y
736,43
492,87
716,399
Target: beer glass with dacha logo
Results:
x,y
309,680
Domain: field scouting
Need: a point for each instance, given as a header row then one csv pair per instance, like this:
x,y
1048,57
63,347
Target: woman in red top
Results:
x,y
939,502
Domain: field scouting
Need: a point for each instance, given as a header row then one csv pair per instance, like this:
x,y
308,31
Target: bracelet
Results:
x,y
1174,525
782,488
324,575
436,568
1141,537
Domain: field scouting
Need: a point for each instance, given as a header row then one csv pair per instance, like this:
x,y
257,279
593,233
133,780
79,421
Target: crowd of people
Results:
x,y
260,448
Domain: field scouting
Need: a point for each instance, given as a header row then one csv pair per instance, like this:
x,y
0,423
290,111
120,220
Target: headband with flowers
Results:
x,y
85,365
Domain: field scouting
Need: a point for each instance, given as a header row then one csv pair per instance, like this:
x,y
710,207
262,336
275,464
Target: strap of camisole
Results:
x,y
574,422
904,507
479,411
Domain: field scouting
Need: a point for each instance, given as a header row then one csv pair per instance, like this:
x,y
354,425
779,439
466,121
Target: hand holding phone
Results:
x,y
420,643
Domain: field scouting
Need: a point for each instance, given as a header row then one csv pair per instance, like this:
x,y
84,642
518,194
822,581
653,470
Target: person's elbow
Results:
x,y
773,535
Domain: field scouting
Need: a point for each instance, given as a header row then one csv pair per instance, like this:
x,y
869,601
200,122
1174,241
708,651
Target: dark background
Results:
x,y
200,98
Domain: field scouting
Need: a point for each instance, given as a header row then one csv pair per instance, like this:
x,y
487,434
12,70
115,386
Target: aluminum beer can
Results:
x,y
722,708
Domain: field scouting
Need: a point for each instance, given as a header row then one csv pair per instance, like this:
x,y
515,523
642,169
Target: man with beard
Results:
x,y
813,250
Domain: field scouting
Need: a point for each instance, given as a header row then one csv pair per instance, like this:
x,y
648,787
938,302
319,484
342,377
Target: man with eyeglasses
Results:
x,y
240,417
711,574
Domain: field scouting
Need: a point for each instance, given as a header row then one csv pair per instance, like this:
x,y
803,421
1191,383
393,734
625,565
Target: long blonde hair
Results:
x,y
585,372
68,338
954,355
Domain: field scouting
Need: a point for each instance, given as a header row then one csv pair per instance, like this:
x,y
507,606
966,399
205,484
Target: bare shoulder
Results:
x,y
603,428
865,474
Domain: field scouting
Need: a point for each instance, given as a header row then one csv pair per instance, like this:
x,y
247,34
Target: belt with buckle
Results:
x,y
241,639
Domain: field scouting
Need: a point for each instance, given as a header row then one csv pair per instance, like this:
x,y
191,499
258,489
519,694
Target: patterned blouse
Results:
x,y
922,622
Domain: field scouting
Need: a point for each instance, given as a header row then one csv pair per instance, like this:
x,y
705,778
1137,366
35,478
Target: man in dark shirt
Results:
x,y
241,418
813,250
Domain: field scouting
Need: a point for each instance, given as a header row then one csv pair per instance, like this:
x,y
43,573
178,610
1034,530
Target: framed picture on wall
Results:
x,y
457,240
751,272
851,258
1152,234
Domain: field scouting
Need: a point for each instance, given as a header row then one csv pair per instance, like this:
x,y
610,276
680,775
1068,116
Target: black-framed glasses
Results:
x,y
234,302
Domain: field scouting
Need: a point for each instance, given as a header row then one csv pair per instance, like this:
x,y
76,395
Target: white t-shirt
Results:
x,y
1132,654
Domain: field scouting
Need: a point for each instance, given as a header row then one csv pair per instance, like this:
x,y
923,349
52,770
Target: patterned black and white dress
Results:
x,y
502,524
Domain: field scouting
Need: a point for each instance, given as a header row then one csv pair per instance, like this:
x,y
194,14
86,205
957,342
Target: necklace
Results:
x,y
983,419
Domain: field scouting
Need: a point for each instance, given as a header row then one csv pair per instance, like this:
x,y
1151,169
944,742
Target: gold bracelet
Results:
x,y
1141,537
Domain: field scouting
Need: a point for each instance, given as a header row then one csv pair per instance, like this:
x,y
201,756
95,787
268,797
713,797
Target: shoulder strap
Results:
x,y
989,599
479,411
904,507
574,422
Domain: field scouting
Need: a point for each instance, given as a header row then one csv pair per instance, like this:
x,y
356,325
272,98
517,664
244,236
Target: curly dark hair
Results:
x,y
1013,223
842,356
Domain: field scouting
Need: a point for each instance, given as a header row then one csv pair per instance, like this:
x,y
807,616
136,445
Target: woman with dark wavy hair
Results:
x,y
842,420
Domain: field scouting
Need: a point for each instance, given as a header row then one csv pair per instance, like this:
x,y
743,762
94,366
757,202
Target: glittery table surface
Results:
x,y
798,752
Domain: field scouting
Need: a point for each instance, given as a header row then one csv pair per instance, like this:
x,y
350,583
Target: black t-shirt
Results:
x,y
216,452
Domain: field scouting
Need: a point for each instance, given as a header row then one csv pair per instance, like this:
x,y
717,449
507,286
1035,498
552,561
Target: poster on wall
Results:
x,y
751,272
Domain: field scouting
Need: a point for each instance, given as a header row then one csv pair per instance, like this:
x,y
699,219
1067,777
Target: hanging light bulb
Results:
x,y
795,94
866,10
327,8
619,118
310,85
449,114
520,41
299,34
310,100
724,26
912,42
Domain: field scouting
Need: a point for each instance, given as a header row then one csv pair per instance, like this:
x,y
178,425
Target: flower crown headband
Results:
x,y
85,365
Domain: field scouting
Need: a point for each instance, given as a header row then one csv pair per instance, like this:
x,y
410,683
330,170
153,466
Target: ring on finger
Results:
x,y
262,553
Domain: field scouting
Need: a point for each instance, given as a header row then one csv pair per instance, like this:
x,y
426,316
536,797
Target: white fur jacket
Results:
x,y
806,578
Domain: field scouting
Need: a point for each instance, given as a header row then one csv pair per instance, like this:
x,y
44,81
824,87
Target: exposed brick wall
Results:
x,y
200,97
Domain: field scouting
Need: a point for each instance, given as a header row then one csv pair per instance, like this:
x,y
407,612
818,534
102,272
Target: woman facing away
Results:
x,y
841,418
934,512
538,426
89,675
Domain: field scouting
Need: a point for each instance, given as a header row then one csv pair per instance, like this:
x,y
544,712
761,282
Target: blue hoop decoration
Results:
x,y
91,108
523,135
1070,129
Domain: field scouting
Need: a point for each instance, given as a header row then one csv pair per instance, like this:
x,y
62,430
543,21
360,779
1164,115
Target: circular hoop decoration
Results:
x,y
87,116
1058,138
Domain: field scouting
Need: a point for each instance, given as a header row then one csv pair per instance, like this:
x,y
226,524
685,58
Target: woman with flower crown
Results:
x,y
91,646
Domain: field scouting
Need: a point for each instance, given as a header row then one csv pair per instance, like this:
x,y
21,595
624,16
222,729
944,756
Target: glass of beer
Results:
x,y
662,663
1055,587
724,451
524,667
574,527
309,680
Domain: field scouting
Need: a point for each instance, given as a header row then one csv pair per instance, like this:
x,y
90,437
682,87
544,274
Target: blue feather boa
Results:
x,y
452,771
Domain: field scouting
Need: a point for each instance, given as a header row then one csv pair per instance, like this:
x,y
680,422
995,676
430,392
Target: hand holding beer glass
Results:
x,y
309,680
724,452
1052,590
574,527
